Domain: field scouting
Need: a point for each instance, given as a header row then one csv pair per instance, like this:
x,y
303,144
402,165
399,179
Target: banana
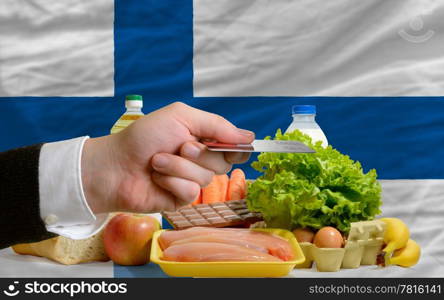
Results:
x,y
396,237
407,256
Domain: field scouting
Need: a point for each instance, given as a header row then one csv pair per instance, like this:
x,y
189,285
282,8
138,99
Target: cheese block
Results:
x,y
65,250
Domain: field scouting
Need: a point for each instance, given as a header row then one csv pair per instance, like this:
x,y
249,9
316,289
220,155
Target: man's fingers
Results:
x,y
173,165
199,154
184,190
237,157
211,126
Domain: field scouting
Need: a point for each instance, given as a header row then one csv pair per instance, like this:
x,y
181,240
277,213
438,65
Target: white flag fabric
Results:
x,y
56,48
318,48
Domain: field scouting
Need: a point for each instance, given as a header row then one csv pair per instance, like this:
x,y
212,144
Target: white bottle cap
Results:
x,y
133,101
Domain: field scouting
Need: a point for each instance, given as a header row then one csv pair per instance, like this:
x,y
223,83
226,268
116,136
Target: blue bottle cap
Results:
x,y
303,109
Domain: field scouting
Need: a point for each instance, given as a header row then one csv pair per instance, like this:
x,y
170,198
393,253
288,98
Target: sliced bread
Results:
x,y
65,250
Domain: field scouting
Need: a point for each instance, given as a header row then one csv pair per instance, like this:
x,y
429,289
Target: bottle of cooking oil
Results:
x,y
133,104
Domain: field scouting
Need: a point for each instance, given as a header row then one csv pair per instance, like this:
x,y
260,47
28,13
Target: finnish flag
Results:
x,y
374,69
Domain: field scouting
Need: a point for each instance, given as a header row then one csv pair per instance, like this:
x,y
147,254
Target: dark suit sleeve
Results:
x,y
20,220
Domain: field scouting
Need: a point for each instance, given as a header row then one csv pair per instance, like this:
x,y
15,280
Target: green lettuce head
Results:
x,y
314,190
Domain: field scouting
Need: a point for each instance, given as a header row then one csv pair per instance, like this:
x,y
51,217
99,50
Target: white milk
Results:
x,y
304,120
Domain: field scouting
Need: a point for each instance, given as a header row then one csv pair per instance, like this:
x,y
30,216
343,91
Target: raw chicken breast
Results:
x,y
251,239
170,236
211,252
219,239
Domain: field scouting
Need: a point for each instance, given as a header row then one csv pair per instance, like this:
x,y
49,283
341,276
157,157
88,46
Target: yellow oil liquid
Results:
x,y
124,121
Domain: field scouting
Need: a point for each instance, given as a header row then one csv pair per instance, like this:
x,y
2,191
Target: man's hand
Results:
x,y
157,163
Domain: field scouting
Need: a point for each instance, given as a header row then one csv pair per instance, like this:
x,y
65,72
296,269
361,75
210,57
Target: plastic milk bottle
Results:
x,y
304,120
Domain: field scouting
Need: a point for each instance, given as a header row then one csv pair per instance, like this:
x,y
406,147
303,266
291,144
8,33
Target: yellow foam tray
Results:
x,y
229,269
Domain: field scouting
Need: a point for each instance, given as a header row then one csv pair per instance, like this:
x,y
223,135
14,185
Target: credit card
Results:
x,y
261,146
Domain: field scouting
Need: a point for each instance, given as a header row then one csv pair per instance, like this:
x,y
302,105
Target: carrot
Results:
x,y
237,186
198,199
223,179
216,191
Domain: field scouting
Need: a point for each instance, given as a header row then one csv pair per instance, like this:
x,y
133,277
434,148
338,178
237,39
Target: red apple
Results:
x,y
127,238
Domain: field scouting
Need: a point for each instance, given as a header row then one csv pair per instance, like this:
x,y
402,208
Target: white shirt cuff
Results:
x,y
63,205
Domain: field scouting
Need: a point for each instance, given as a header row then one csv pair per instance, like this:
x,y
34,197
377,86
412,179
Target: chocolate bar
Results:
x,y
221,214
